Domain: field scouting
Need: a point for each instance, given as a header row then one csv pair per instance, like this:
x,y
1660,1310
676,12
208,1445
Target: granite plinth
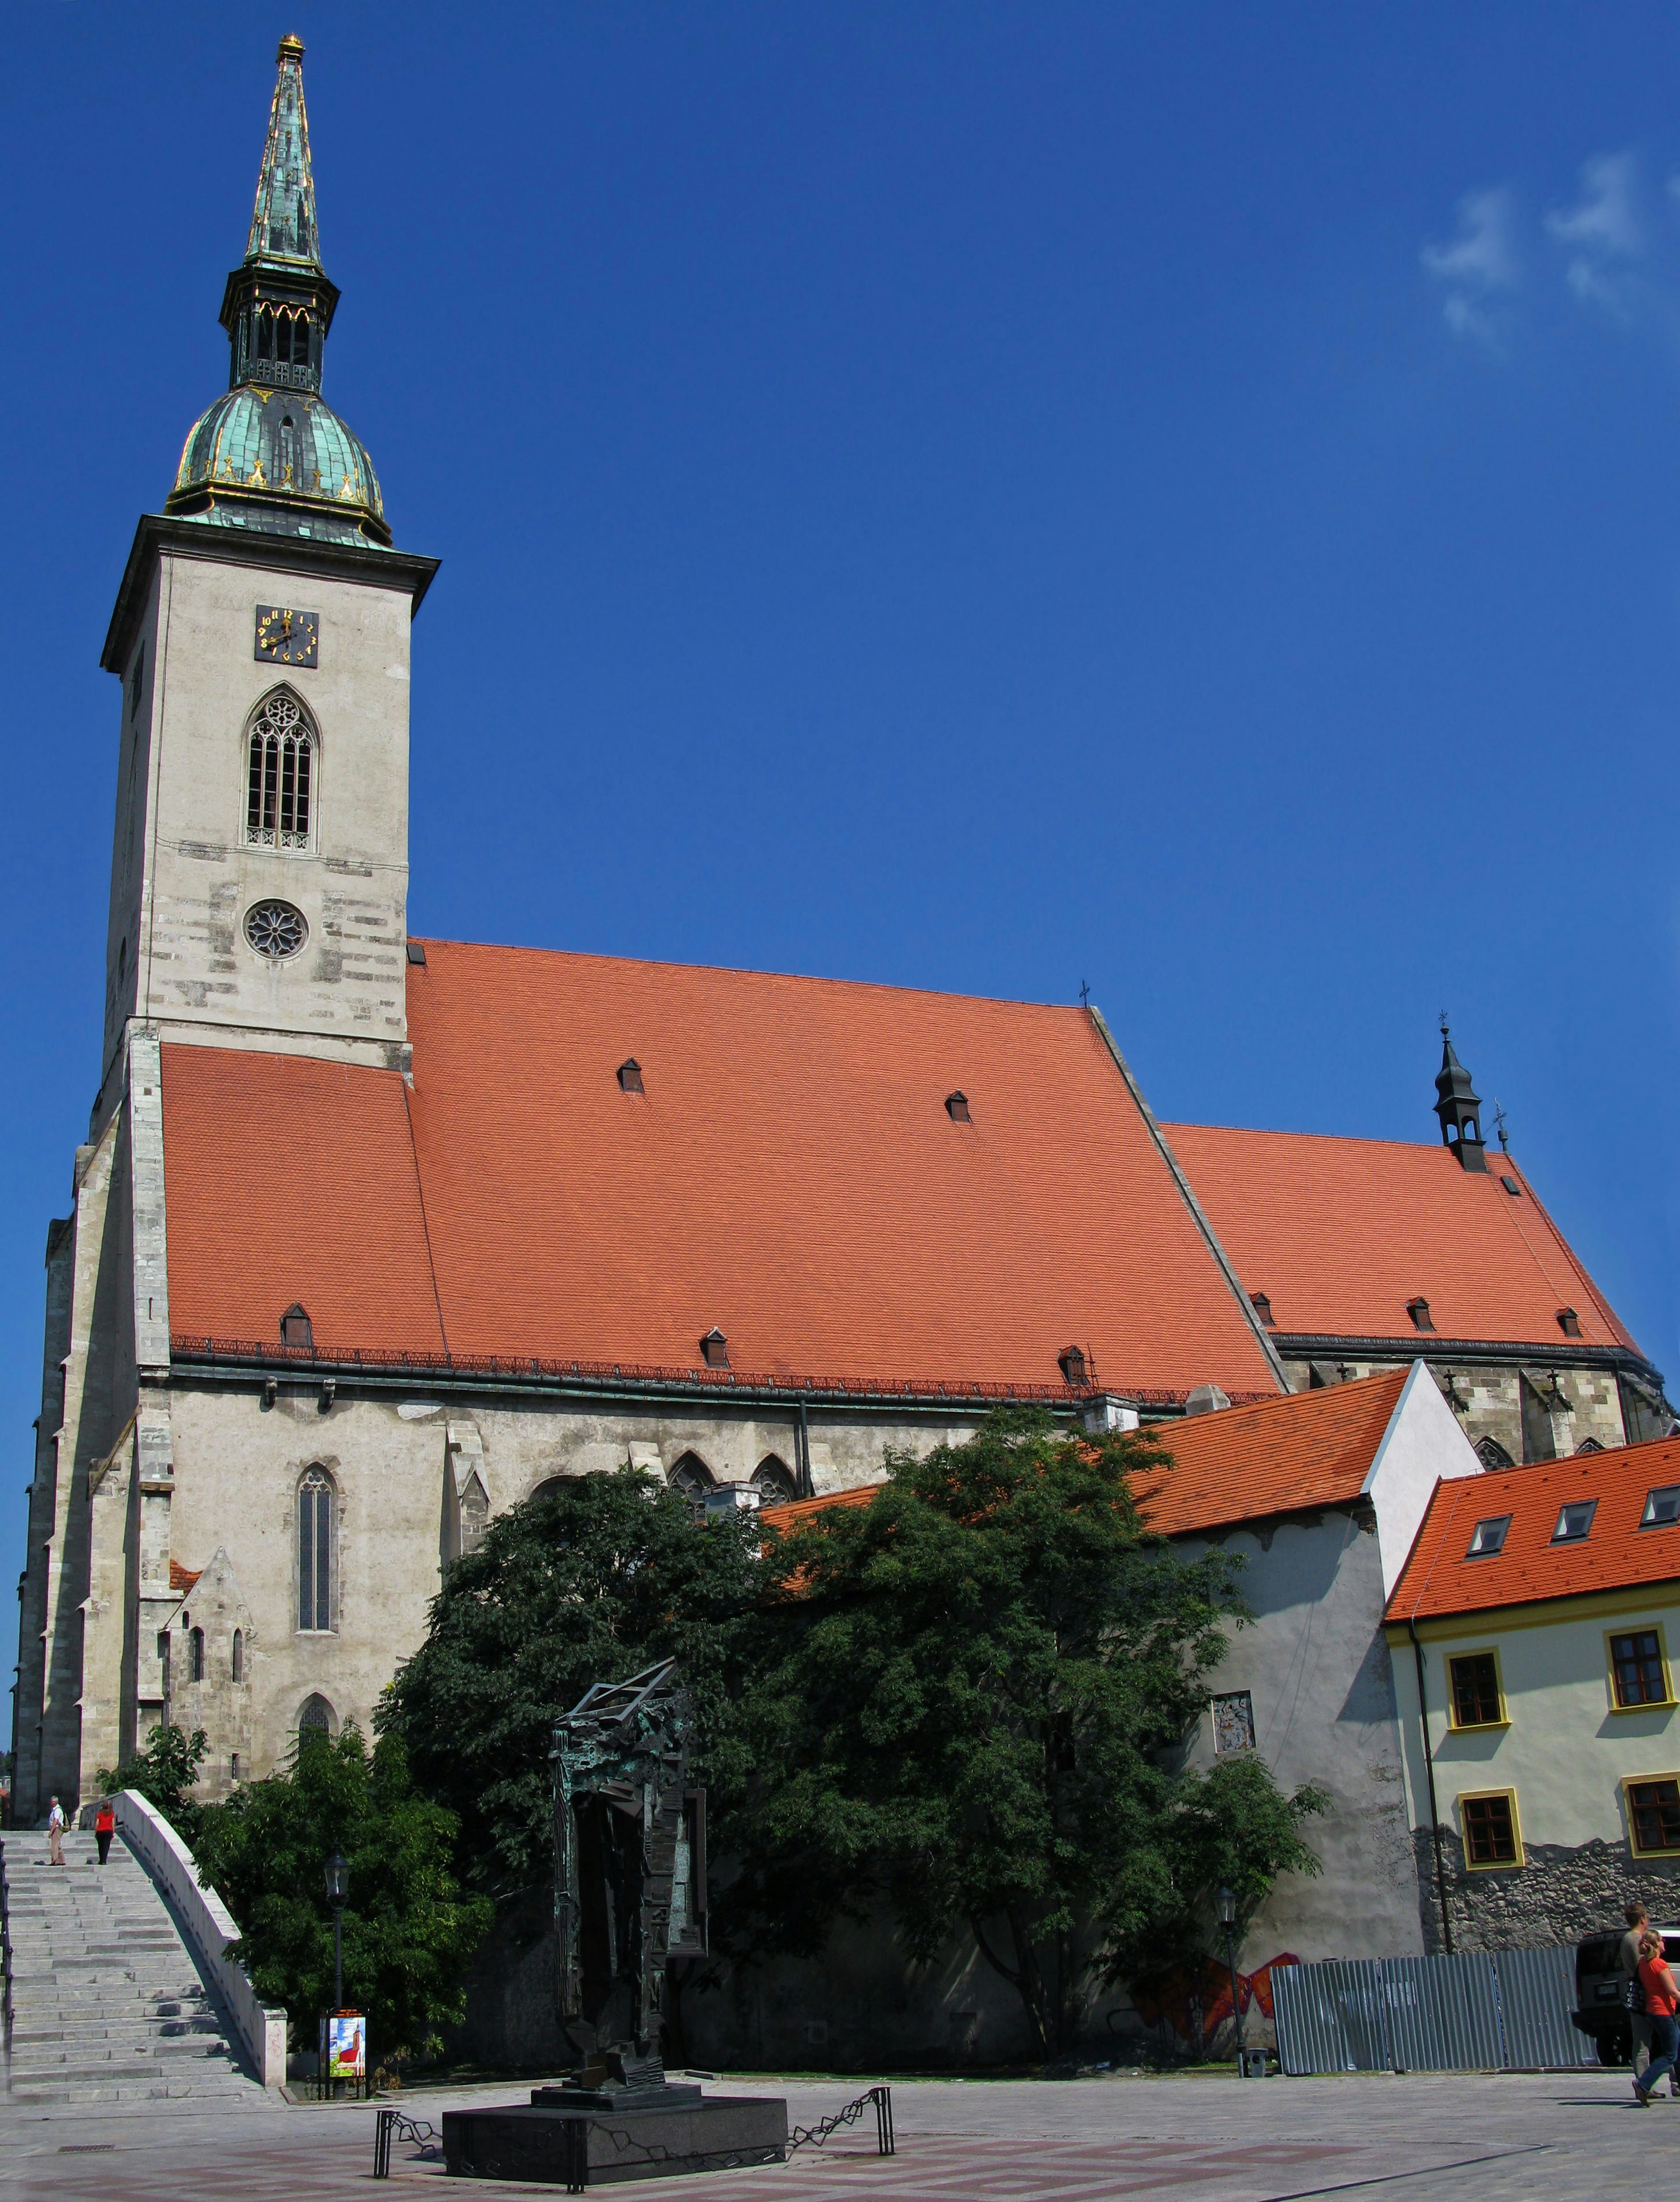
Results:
x,y
577,2147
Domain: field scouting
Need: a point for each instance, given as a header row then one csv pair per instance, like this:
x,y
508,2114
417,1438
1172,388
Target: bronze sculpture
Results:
x,y
630,1877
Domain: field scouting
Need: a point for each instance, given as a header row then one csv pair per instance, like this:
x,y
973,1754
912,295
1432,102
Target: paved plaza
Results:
x,y
1205,2138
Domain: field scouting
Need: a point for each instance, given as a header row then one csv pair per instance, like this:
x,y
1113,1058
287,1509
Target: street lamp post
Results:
x,y
1227,1904
338,1887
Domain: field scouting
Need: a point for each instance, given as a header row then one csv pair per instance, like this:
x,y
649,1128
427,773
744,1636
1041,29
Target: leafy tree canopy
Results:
x,y
164,1774
973,1695
409,1932
589,1580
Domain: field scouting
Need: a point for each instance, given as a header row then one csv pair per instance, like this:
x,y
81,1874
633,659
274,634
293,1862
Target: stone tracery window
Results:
x,y
775,1481
314,1551
690,1475
280,776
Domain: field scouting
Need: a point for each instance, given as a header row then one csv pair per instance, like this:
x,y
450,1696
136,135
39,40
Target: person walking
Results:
x,y
104,1827
1628,1958
55,1833
1662,2000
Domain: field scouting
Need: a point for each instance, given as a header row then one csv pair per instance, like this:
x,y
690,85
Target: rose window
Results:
x,y
275,930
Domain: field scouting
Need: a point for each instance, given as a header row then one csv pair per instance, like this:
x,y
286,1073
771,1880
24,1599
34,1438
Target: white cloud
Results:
x,y
1602,234
1478,265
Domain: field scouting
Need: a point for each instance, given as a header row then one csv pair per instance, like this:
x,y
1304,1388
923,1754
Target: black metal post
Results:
x,y
1236,1992
337,1957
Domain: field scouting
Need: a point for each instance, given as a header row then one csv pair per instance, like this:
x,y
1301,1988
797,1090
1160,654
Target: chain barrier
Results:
x,y
396,2125
825,2129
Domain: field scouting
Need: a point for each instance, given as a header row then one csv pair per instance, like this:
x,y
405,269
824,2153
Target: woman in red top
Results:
x,y
104,1827
1662,2000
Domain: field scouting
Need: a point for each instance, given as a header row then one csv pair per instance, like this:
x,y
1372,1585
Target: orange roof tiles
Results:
x,y
182,1579
789,1175
1341,1233
1440,1578
1309,1449
290,1179
1284,1456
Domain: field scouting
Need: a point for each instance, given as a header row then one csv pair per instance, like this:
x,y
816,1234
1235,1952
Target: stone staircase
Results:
x,y
108,2005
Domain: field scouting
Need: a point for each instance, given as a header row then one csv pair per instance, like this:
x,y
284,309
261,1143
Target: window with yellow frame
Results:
x,y
1636,1658
1475,1690
1491,1833
1653,1814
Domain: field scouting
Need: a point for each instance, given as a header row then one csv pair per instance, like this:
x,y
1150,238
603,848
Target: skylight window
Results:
x,y
1574,1522
1512,1187
1662,1507
1489,1538
630,1076
1261,1302
1073,1364
956,1108
1418,1310
1569,1323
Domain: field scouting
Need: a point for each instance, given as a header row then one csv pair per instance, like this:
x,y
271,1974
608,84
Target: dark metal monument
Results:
x,y
630,1894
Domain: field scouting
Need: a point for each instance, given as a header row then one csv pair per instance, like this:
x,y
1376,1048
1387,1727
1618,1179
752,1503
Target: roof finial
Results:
x,y
1498,1125
1445,1028
1085,993
282,222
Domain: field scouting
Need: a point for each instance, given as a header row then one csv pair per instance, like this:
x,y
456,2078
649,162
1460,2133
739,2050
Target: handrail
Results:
x,y
5,1968
210,1928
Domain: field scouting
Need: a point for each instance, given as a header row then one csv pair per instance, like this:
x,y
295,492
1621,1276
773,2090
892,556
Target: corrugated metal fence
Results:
x,y
1482,2012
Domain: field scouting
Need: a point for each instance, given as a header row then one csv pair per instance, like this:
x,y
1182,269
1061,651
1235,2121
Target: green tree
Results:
x,y
164,1773
409,1931
589,1580
974,1697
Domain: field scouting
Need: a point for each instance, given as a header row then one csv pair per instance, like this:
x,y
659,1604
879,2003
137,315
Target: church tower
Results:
x,y
259,871
258,901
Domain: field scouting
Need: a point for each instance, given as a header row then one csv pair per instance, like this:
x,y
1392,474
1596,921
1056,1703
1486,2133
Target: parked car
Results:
x,y
1600,2006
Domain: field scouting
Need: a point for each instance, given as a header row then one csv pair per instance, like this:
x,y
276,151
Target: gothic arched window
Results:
x,y
772,1479
196,1668
314,1717
1492,1454
280,775
314,1550
691,1475
238,1655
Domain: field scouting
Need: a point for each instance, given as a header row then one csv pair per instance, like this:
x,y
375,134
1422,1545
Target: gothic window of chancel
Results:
x,y
280,774
315,1552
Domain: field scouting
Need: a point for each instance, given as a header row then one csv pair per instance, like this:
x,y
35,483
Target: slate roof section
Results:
x,y
1284,1456
1341,1233
1617,1553
789,1175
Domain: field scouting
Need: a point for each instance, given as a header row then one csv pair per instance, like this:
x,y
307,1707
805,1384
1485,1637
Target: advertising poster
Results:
x,y
347,2045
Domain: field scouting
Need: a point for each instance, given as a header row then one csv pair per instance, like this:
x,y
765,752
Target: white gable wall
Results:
x,y
1424,1443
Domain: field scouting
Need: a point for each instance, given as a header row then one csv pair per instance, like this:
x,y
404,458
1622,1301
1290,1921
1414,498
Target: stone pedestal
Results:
x,y
577,2137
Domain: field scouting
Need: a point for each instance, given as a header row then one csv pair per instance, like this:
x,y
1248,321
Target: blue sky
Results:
x,y
983,498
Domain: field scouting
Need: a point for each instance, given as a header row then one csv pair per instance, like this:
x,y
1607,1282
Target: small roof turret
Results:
x,y
1458,1106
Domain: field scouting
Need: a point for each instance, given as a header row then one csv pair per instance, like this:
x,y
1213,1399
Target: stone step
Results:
x,y
109,2004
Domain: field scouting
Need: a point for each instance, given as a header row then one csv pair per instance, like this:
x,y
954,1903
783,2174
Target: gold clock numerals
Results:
x,y
287,637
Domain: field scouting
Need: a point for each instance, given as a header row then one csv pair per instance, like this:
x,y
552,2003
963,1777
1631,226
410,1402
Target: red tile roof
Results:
x,y
1242,1464
1311,1449
1341,1233
789,1174
1440,1578
182,1579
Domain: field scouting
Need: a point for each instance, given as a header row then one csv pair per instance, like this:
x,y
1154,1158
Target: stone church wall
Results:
x,y
402,1472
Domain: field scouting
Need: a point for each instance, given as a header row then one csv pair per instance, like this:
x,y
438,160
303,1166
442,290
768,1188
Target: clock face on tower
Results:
x,y
287,638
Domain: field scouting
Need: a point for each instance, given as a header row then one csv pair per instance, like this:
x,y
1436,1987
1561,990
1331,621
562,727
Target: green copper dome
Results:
x,y
269,456
278,461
